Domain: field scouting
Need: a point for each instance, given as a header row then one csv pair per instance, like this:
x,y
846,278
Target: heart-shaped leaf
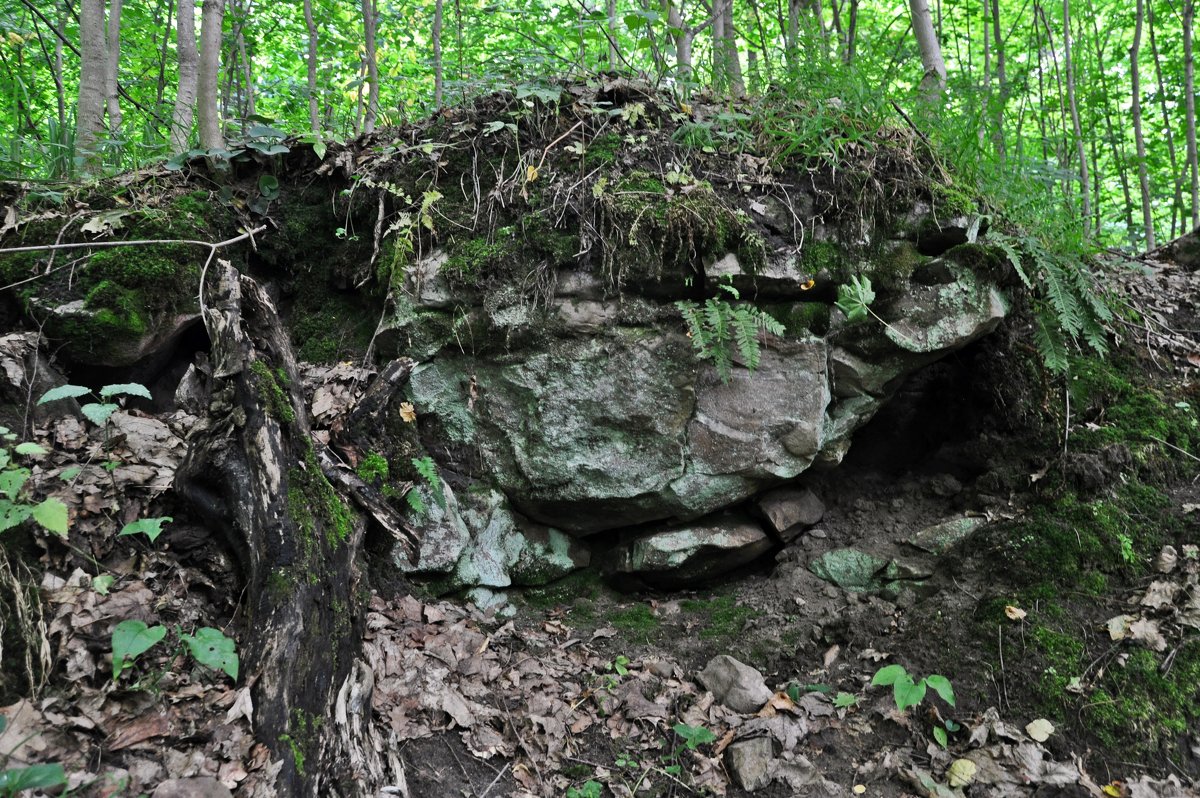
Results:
x,y
213,649
131,639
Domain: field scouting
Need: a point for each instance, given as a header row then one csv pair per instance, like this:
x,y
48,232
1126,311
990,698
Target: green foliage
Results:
x,y
427,470
212,649
855,298
589,789
14,781
15,505
130,639
373,468
1069,306
694,736
150,527
96,412
718,326
910,692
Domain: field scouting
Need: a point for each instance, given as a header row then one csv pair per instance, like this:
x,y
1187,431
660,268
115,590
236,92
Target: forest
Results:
x,y
579,399
1092,100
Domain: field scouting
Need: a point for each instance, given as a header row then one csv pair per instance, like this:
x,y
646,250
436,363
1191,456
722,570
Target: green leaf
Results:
x,y
12,514
97,413
44,777
150,527
694,736
844,700
29,448
63,392
855,297
102,583
939,734
51,514
69,474
908,693
888,674
212,649
131,639
319,148
941,686
12,480
125,389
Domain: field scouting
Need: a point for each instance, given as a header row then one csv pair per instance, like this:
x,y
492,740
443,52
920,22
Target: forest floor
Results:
x,y
1069,595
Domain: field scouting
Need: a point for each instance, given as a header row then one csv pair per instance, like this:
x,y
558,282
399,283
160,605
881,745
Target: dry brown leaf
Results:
x,y
1015,613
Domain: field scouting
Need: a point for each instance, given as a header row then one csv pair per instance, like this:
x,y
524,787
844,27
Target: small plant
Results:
x,y
210,647
718,325
589,789
694,736
97,412
855,298
428,472
15,506
910,692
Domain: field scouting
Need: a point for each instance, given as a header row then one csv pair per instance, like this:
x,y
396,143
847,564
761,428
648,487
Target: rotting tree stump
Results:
x,y
253,471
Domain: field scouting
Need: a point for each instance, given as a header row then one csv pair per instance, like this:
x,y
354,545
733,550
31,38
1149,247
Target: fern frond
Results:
x,y
1051,343
745,330
1060,293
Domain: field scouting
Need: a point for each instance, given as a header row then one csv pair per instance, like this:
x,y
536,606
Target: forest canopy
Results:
x,y
1089,101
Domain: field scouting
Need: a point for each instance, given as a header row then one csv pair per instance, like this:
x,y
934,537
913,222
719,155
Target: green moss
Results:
x,y
374,467
267,383
638,622
1129,413
326,326
312,500
602,150
1141,709
826,257
801,318
470,259
721,615
296,750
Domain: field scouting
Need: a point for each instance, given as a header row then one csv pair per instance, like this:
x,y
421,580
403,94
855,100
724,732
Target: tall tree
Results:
x,y
1139,139
212,20
370,20
112,63
438,68
1189,93
933,83
89,112
189,63
314,119
1069,68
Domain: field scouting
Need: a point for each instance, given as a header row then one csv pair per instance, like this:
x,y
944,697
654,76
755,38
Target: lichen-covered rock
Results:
x,y
735,684
791,510
689,554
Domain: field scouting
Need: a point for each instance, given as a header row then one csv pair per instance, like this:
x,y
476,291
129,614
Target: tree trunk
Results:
x,y
1000,101
1177,205
439,78
933,84
111,66
314,117
207,111
1189,93
611,10
371,114
1139,139
253,472
1116,138
189,60
851,34
1069,67
89,113
733,59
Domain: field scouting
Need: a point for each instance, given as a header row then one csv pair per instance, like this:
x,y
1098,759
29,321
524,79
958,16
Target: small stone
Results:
x,y
791,510
735,684
196,787
831,591
1166,560
945,486
817,533
749,762
660,667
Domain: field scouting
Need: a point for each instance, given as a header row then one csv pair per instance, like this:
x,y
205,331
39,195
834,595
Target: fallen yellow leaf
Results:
x,y
961,773
531,173
1014,613
809,283
1113,789
408,413
859,789
1040,730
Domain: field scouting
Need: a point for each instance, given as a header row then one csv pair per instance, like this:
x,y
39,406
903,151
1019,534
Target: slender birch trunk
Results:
x,y
1176,179
371,114
611,9
189,62
1139,139
439,79
212,19
314,117
111,65
1189,92
1069,68
89,113
933,83
1000,101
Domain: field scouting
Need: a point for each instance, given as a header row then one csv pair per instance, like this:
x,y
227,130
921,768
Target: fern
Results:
x,y
1069,306
718,326
428,471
